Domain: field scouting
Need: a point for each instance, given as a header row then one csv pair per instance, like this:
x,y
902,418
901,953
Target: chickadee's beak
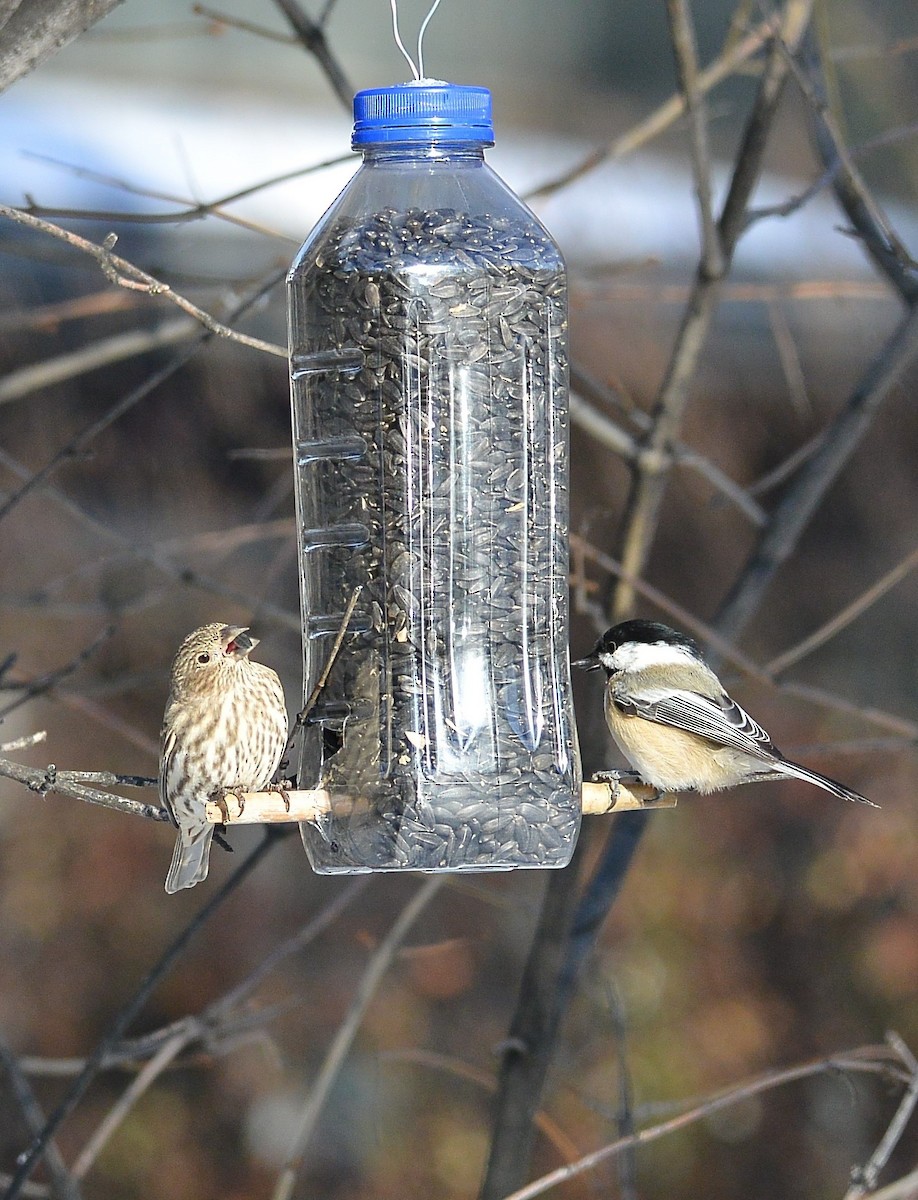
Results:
x,y
590,663
237,642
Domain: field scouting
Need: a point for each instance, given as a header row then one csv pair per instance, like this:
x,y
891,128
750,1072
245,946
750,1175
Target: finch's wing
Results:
x,y
719,719
165,768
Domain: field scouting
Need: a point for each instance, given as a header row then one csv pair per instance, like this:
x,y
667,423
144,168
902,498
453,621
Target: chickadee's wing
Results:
x,y
719,719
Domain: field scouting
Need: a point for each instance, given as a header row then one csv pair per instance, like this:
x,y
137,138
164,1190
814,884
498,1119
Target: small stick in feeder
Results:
x,y
303,714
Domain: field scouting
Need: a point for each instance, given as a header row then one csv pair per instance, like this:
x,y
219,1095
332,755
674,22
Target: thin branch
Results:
x,y
231,22
126,1101
608,433
790,361
666,115
649,486
63,1184
312,36
176,572
82,440
905,1188
191,211
103,353
804,495
709,634
844,618
31,688
303,715
125,274
49,781
28,1161
865,1179
682,36
867,1060
459,1069
377,967
879,238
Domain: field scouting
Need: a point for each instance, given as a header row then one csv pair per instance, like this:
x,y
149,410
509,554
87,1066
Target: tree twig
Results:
x,y
666,115
30,1158
844,618
82,440
312,36
372,977
48,780
125,274
63,1184
868,1060
864,1179
805,493
649,484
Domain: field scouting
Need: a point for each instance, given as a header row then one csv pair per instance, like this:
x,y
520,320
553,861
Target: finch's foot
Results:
x,y
220,798
282,792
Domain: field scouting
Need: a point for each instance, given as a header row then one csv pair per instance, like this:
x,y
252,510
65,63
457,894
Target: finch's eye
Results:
x,y
203,658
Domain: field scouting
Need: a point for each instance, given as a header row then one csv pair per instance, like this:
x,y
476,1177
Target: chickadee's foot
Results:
x,y
615,777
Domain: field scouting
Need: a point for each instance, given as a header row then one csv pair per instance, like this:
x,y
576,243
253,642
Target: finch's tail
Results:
x,y
823,781
191,857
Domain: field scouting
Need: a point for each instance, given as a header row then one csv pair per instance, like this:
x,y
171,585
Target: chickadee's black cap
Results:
x,y
647,632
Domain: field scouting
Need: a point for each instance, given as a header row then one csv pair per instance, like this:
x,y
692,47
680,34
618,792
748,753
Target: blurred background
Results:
x,y
756,928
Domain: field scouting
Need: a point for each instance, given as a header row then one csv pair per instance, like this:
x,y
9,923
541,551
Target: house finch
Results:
x,y
224,729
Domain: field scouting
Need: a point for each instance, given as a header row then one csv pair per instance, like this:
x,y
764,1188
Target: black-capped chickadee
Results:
x,y
673,721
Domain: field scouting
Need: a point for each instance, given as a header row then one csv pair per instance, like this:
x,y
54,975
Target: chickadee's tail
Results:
x,y
191,856
823,781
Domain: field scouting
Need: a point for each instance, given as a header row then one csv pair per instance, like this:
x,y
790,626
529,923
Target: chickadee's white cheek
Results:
x,y
643,656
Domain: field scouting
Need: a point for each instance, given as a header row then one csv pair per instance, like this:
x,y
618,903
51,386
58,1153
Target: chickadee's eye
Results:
x,y
203,658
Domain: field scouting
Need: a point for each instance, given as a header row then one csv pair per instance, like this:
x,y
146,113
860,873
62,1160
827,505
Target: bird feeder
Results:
x,y
428,344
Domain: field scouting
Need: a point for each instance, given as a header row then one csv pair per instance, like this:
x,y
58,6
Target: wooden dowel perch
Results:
x,y
268,808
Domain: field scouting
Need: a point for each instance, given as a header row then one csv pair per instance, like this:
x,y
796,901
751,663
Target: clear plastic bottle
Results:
x,y
428,341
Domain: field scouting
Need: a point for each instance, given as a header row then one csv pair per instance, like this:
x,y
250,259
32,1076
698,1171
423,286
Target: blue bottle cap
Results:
x,y
427,110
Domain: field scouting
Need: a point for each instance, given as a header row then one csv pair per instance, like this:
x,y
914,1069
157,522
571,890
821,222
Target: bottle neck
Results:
x,y
382,153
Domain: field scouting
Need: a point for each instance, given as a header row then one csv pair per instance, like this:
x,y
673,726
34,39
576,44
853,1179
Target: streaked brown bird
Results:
x,y
224,730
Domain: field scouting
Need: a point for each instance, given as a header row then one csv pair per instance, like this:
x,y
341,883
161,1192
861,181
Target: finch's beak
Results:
x,y
590,663
236,641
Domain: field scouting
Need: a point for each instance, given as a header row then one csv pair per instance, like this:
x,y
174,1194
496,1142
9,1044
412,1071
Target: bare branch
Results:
x,y
601,427
682,34
63,1184
126,1101
844,618
190,211
31,688
125,274
50,781
231,22
376,968
649,486
34,30
117,348
30,1158
666,115
85,438
871,1060
880,240
865,1179
312,35
804,495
